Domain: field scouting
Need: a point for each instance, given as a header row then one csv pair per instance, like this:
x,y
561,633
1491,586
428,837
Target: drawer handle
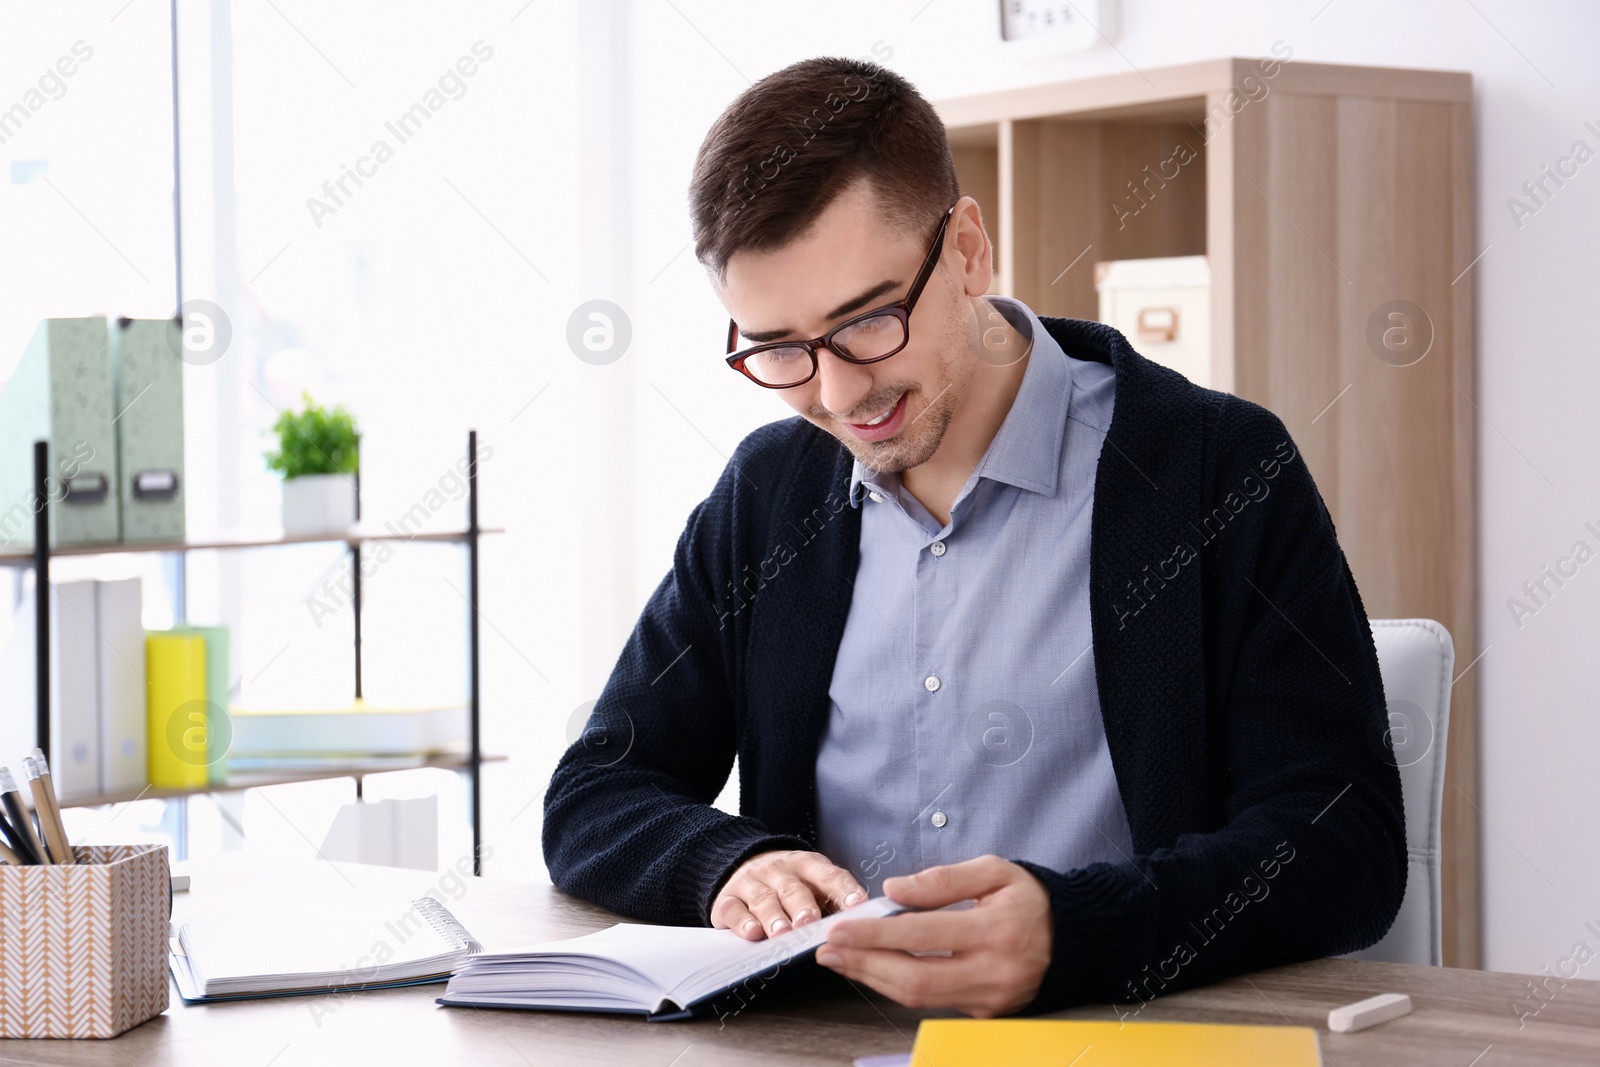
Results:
x,y
85,489
155,485
1158,324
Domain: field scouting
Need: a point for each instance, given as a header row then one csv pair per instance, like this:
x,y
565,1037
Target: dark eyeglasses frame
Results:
x,y
900,309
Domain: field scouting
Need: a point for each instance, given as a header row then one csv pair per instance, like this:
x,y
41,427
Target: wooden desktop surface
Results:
x,y
1459,1018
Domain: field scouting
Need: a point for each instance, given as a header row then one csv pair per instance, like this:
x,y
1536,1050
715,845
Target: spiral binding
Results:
x,y
446,925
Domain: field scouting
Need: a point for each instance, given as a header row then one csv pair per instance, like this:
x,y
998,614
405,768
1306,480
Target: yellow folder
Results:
x,y
218,669
177,713
1056,1042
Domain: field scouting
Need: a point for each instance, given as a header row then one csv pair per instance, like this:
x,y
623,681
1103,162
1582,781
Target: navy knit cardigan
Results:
x,y
1237,675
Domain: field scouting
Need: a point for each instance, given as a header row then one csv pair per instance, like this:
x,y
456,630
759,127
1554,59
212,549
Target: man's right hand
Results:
x,y
772,892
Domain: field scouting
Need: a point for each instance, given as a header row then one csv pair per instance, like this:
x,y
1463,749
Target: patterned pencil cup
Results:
x,y
83,948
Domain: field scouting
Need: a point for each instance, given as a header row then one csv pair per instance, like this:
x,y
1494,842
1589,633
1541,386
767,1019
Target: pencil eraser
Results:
x,y
1369,1012
180,883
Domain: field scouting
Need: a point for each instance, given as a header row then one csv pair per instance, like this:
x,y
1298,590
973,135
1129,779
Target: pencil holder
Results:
x,y
83,948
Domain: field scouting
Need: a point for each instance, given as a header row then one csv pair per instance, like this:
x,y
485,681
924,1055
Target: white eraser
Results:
x,y
1369,1012
180,883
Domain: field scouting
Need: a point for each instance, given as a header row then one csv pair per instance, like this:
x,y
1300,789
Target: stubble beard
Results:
x,y
922,433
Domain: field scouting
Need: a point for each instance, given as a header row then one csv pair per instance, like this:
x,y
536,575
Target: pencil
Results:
x,y
44,795
21,825
14,840
55,836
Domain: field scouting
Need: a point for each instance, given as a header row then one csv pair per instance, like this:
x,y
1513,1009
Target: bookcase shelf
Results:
x,y
470,763
239,780
355,537
1321,195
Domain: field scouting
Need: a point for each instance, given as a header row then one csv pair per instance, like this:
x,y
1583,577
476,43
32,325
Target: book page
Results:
x,y
676,961
256,942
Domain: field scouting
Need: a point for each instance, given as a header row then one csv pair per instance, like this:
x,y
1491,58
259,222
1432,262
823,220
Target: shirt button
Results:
x,y
877,498
938,818
937,548
931,683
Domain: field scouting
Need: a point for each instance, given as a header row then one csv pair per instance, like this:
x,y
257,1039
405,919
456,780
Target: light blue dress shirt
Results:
x,y
964,716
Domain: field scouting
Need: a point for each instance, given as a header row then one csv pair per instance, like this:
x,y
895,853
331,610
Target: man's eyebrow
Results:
x,y
854,304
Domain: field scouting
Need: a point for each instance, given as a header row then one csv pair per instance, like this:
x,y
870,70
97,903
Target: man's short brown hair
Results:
x,y
797,138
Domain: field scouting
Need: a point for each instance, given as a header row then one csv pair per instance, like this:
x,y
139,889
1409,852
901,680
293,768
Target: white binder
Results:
x,y
121,686
74,718
74,702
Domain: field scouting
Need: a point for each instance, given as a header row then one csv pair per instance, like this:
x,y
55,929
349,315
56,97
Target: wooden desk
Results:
x,y
1457,1014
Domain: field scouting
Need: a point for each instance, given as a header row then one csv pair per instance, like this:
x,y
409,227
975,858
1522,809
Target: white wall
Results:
x,y
631,447
1535,86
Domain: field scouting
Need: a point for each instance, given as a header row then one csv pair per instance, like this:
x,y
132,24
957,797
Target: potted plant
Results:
x,y
317,455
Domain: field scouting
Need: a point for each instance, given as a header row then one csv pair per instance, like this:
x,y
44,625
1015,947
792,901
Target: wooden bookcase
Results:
x,y
1318,194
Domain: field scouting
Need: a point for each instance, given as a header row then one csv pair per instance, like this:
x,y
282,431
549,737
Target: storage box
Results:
x,y
147,381
1163,307
83,948
61,392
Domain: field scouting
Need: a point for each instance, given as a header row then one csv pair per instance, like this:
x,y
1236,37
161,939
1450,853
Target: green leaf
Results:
x,y
316,440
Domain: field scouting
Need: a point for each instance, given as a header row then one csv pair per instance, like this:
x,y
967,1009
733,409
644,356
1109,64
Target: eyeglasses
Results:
x,y
866,338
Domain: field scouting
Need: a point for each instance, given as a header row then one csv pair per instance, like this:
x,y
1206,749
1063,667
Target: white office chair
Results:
x,y
1416,657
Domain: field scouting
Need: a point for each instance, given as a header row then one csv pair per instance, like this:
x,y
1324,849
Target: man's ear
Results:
x,y
974,247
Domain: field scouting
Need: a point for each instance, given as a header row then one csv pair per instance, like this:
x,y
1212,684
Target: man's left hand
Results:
x,y
999,948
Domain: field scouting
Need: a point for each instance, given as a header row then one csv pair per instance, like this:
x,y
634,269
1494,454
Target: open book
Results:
x,y
363,945
664,972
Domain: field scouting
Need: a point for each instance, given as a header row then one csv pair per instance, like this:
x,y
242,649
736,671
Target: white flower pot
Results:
x,y
319,503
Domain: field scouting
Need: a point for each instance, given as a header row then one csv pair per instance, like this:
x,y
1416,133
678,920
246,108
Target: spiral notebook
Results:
x,y
237,952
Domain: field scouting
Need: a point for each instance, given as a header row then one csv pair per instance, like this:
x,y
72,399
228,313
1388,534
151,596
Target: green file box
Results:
x,y
61,393
147,380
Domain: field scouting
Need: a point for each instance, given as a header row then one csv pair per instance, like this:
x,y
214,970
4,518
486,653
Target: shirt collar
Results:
x,y
1026,450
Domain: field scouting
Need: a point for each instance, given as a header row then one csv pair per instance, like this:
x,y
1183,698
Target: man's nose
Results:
x,y
843,385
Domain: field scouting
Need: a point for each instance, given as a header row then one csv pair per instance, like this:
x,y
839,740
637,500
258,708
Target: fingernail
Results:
x,y
854,898
780,925
805,916
827,958
750,924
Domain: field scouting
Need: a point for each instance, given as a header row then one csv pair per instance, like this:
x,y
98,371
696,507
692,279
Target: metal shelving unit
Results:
x,y
471,763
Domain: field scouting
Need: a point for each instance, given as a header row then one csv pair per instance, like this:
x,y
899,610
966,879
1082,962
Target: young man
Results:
x,y
1007,613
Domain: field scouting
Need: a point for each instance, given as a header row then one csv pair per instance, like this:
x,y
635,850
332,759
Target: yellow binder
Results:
x,y
1055,1042
177,713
